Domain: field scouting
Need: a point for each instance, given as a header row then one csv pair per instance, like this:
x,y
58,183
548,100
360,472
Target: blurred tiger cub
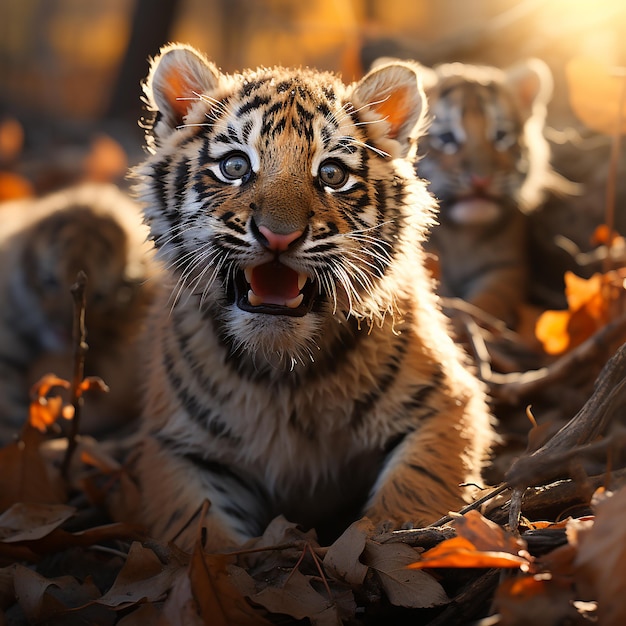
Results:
x,y
305,367
486,160
43,244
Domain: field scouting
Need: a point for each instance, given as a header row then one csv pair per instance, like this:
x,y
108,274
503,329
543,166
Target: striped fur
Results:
x,y
487,163
354,401
43,244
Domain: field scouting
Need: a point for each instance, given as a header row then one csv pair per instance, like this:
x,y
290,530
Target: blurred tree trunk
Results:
x,y
152,21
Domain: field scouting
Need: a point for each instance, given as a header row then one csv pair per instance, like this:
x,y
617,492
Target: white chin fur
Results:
x,y
279,340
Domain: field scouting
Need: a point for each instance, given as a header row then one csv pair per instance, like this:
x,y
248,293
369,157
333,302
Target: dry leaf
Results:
x,y
13,186
29,522
218,600
487,535
143,577
589,309
342,558
298,599
24,474
535,600
600,563
147,615
45,600
595,92
45,409
460,552
404,587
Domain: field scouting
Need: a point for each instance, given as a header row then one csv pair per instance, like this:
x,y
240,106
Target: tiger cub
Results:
x,y
487,162
43,244
298,361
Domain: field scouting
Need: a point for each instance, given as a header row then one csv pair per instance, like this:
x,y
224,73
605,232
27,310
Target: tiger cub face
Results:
x,y
90,229
44,243
485,154
267,197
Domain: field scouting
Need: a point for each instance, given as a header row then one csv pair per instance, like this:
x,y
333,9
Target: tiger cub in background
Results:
x,y
43,244
298,363
486,160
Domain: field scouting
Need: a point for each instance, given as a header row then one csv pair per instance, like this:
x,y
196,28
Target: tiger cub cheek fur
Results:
x,y
298,362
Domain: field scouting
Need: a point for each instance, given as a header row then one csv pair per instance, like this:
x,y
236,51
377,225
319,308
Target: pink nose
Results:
x,y
278,242
481,182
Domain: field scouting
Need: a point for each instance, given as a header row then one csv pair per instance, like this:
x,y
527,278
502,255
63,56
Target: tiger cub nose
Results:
x,y
278,242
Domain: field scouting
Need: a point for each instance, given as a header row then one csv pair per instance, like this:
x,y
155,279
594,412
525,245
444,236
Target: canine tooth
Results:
x,y
247,272
294,303
253,299
301,280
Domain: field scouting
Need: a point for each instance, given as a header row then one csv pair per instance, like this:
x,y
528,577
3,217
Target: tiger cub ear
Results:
x,y
531,82
391,94
179,74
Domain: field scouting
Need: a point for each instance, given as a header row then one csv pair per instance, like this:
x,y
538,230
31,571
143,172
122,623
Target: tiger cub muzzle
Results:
x,y
273,287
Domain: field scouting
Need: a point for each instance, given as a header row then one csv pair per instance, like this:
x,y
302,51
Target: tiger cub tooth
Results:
x,y
294,303
253,299
247,272
302,278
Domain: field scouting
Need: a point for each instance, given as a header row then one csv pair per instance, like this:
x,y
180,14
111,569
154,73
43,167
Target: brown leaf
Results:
x,y
219,602
44,599
595,92
486,535
24,474
29,522
298,599
180,606
342,558
146,615
535,600
599,564
143,577
404,587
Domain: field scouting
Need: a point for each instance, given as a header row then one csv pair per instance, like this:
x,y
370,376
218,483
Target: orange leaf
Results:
x,y
45,410
460,552
551,330
589,302
486,535
595,92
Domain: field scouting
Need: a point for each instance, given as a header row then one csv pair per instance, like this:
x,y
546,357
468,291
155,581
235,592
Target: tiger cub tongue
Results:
x,y
274,283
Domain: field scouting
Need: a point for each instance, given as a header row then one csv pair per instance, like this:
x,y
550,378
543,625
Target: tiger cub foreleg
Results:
x,y
205,499
424,476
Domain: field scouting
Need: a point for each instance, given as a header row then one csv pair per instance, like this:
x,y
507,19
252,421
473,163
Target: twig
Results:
x,y
511,388
474,505
78,291
590,422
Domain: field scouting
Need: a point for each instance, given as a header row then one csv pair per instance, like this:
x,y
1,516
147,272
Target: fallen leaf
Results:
x,y
486,535
299,600
590,305
43,599
599,564
342,558
143,577
147,615
460,552
406,587
24,474
535,600
32,521
219,602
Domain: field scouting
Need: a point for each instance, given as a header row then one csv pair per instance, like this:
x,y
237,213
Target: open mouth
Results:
x,y
474,210
275,289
